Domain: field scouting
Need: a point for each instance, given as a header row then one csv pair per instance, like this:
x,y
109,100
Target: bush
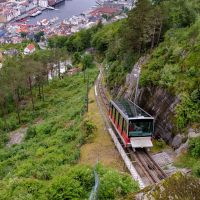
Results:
x,y
194,147
24,189
88,127
187,111
44,128
75,184
30,133
3,138
114,185
196,169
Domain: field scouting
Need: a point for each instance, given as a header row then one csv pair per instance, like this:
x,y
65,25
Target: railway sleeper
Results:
x,y
151,166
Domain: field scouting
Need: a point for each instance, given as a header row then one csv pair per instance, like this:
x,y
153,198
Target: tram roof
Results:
x,y
130,109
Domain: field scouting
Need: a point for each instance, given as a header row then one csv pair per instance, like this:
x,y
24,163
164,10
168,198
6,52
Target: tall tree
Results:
x,y
142,27
12,74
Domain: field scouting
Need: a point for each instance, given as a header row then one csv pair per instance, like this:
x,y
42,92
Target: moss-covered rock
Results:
x,y
178,186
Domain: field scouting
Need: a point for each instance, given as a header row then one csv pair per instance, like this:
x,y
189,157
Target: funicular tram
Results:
x,y
134,126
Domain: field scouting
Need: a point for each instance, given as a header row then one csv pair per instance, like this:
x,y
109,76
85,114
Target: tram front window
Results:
x,y
140,127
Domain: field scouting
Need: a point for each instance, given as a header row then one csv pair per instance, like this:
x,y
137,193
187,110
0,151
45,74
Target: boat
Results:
x,y
50,7
36,13
44,22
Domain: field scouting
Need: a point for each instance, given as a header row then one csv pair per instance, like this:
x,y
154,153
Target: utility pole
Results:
x,y
87,93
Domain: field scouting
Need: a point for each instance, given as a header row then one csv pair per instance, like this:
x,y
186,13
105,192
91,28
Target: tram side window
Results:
x,y
125,126
121,122
117,117
110,108
113,111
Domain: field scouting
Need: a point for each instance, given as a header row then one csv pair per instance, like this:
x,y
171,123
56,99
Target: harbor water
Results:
x,y
64,10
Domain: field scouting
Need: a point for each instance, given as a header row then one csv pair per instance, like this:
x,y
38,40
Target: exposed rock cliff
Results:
x,y
160,104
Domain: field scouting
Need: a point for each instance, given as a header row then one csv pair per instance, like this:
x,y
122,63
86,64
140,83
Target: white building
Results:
x,y
43,3
29,49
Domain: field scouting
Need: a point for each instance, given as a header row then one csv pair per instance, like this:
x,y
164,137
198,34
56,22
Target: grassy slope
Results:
x,y
44,166
58,136
101,146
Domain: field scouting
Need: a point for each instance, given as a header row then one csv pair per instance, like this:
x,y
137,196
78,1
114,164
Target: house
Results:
x,y
29,49
105,11
43,3
112,4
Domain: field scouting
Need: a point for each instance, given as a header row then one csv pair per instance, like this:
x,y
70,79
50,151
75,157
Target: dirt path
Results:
x,y
101,147
16,136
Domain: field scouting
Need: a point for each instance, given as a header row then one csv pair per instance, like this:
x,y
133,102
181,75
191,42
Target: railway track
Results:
x,y
143,162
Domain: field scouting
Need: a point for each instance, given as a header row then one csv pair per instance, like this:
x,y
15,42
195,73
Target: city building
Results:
x,y
29,49
43,3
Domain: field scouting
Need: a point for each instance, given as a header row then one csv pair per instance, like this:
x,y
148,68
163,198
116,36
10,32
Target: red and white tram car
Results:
x,y
134,126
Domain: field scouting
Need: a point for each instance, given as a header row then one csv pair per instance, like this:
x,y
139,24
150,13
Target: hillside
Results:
x,y
159,37
174,66
44,164
166,33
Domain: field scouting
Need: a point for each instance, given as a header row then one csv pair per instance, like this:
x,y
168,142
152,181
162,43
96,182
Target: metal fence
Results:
x,y
94,192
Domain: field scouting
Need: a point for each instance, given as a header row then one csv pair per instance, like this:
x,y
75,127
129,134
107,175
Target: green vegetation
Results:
x,y
70,183
158,146
49,142
174,65
20,47
166,29
41,166
177,186
191,159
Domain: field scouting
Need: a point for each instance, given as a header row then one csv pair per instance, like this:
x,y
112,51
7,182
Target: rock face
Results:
x,y
183,147
177,141
160,104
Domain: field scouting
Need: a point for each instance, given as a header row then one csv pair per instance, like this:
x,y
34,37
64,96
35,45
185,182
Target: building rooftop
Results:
x,y
130,109
104,10
30,47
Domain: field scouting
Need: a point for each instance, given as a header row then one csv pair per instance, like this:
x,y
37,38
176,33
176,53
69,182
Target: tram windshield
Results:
x,y
140,127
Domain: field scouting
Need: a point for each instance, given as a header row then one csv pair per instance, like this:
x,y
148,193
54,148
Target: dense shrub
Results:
x,y
70,183
194,147
30,133
88,128
75,184
196,169
174,65
53,141
113,185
